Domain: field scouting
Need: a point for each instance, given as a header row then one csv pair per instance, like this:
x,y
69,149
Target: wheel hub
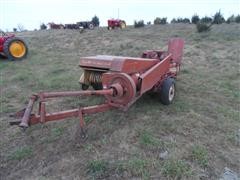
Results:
x,y
17,49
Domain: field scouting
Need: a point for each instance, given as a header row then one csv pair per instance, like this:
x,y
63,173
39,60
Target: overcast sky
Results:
x,y
31,13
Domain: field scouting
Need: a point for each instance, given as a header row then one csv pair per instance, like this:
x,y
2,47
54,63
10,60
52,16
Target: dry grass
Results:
x,y
198,130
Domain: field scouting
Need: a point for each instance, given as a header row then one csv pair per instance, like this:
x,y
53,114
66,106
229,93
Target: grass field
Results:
x,y
198,133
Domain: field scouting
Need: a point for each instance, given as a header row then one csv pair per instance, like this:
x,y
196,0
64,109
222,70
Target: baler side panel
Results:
x,y
154,74
175,47
130,66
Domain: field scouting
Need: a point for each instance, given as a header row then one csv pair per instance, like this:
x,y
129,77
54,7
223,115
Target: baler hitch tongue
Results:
x,y
27,118
24,114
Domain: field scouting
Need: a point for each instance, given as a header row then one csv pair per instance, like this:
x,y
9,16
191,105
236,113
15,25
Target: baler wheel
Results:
x,y
167,91
97,86
85,87
15,48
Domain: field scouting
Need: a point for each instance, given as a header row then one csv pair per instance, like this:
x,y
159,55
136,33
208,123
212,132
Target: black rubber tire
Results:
x,y
90,26
7,44
97,86
84,87
164,93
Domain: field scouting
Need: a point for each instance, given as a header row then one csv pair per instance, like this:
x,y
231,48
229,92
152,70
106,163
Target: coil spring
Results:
x,y
92,77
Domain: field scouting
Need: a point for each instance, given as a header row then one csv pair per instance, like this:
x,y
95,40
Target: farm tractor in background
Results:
x,y
12,47
86,25
116,23
121,80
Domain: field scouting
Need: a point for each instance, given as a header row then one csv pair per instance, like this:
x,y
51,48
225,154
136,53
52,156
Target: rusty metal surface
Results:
x,y
76,93
175,47
153,75
117,63
125,81
25,120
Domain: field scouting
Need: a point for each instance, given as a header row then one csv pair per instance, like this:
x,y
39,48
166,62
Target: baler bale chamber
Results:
x,y
121,80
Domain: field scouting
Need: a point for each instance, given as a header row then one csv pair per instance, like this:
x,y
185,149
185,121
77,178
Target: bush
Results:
x,y
206,19
173,21
95,21
218,18
180,20
195,19
160,20
149,23
202,27
186,20
138,24
237,19
231,19
43,26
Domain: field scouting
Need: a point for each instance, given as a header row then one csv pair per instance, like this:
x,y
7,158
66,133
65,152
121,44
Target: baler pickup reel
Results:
x,y
121,80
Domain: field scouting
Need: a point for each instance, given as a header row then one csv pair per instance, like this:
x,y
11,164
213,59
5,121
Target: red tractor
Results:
x,y
12,47
113,23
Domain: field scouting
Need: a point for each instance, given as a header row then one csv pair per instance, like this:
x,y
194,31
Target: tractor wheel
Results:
x,y
122,25
91,26
167,91
109,28
15,48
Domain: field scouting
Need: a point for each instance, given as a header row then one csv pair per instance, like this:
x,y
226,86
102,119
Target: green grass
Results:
x,y
200,155
176,169
21,153
57,131
146,139
136,167
55,134
88,147
97,168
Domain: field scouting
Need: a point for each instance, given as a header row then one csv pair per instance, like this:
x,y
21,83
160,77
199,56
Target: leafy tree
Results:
x,y
95,21
185,20
195,19
180,20
138,24
206,19
160,20
173,21
43,26
14,29
230,19
237,19
218,18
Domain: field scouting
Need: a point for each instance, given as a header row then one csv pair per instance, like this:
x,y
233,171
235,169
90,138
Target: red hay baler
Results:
x,y
121,80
